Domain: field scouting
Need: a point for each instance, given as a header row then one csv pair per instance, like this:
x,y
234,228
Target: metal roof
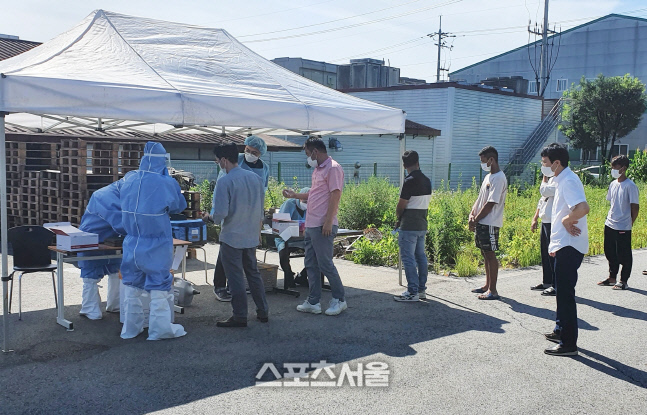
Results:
x,y
17,133
549,37
12,47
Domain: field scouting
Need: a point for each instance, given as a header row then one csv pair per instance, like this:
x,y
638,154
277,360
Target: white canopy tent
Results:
x,y
116,71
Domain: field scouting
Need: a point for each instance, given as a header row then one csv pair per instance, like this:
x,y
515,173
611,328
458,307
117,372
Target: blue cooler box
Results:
x,y
192,230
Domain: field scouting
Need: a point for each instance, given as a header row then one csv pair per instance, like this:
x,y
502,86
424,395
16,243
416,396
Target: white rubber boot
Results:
x,y
159,323
133,313
91,302
112,302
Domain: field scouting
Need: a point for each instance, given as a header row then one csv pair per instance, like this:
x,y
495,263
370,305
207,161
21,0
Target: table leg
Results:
x,y
184,267
60,318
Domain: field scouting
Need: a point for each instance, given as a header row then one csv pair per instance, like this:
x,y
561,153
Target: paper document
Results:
x,y
180,253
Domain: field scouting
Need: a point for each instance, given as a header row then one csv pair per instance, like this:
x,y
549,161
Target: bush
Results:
x,y
467,261
638,168
274,195
383,252
206,195
369,203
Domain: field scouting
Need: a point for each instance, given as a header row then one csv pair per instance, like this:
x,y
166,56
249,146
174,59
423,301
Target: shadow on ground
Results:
x,y
92,369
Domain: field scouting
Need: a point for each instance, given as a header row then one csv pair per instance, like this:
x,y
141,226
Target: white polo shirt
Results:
x,y
569,192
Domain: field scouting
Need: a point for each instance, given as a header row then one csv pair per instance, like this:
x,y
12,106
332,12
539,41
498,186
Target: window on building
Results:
x,y
590,155
532,87
562,85
618,149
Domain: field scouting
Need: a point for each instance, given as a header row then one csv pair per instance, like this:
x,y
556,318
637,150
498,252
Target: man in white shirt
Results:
x,y
486,218
623,195
569,241
543,212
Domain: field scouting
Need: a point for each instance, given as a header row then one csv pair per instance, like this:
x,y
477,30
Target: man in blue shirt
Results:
x,y
250,160
238,204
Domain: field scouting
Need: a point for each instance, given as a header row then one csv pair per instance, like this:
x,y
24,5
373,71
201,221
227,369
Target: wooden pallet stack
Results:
x,y
24,163
50,196
130,154
192,204
49,182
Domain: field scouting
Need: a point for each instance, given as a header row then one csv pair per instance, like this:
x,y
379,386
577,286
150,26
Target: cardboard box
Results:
x,y
69,238
282,221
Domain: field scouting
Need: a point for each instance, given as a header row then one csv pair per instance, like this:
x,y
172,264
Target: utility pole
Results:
x,y
542,80
441,44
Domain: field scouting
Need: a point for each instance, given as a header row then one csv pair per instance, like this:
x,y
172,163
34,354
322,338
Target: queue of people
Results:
x,y
138,207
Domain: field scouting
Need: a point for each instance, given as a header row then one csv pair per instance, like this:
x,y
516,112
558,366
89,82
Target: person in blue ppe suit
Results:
x,y
103,217
297,211
255,148
148,196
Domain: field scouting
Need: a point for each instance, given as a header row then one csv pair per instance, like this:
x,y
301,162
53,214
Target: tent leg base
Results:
x,y
65,323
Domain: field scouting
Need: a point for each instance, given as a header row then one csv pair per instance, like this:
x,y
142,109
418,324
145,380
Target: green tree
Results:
x,y
597,113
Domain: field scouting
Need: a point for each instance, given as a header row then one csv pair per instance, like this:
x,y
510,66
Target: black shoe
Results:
x,y
231,322
553,337
561,350
262,319
549,292
538,287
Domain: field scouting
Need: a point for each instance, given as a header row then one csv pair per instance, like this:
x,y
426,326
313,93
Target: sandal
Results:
x,y
479,290
620,286
488,296
607,282
645,272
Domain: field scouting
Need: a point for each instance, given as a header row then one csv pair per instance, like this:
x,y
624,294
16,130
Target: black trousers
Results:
x,y
567,262
617,249
547,261
219,278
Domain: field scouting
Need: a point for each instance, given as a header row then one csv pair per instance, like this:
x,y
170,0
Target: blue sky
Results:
x,y
337,30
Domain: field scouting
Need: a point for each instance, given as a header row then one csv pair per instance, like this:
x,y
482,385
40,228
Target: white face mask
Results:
x,y
547,171
312,162
303,205
615,173
250,158
485,167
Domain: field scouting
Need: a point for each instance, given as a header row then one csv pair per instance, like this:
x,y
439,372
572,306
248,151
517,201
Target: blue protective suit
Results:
x,y
148,196
103,217
290,206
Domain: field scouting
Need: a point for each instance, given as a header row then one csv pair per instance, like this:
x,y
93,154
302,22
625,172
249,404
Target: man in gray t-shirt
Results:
x,y
623,195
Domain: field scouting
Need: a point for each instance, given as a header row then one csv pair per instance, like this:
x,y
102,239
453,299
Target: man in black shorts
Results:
x,y
486,218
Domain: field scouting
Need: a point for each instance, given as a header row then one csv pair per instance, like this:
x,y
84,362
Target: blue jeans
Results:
x,y
319,253
414,259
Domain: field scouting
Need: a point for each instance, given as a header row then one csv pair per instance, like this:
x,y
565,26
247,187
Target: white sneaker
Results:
x,y
306,307
336,307
406,297
422,294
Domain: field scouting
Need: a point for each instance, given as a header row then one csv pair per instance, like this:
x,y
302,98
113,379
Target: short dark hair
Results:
x,y
228,151
410,158
621,161
556,151
315,143
488,152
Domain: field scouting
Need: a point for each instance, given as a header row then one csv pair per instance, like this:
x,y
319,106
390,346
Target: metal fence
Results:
x,y
297,175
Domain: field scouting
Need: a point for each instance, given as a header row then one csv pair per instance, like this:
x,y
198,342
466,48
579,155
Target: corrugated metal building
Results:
x,y
469,118
613,45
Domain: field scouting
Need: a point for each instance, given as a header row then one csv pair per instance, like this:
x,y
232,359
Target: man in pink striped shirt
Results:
x,y
321,227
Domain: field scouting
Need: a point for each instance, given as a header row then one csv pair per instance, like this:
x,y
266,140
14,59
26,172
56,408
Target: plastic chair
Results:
x,y
30,255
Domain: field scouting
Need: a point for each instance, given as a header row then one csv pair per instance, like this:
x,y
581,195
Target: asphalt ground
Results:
x,y
451,353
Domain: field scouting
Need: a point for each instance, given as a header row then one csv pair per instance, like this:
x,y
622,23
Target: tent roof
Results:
x,y
130,68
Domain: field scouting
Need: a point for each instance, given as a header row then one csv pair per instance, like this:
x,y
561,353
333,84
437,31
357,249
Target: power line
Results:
x,y
448,2
440,38
330,21
274,12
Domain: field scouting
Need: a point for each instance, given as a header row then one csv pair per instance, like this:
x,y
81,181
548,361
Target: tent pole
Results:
x,y
403,147
3,234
